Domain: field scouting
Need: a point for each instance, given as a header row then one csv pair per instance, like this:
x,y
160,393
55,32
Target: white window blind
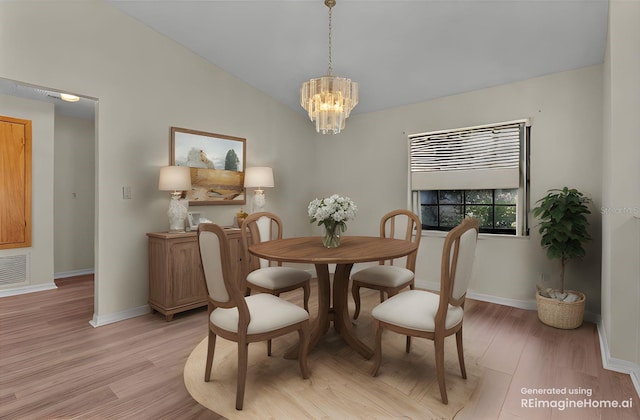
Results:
x,y
469,158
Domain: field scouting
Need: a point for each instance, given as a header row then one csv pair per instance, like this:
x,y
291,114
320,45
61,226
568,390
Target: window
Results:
x,y
480,171
494,209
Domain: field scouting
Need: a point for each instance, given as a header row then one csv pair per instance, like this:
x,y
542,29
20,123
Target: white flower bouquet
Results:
x,y
332,213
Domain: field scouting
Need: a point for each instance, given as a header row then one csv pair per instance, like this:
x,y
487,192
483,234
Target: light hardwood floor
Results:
x,y
53,364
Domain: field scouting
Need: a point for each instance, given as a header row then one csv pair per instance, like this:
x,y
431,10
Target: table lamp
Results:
x,y
175,179
258,177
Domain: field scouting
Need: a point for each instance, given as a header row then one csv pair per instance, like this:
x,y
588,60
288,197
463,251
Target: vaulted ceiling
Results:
x,y
399,51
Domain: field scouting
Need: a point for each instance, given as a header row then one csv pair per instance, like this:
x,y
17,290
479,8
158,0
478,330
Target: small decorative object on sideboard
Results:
x,y
240,216
194,219
563,226
332,213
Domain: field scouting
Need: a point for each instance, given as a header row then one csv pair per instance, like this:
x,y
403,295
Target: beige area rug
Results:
x,y
340,385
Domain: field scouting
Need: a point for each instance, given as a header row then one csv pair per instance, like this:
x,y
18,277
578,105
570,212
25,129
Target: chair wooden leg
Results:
x,y
355,292
463,371
381,296
377,353
269,341
307,293
439,347
211,347
408,344
243,356
303,350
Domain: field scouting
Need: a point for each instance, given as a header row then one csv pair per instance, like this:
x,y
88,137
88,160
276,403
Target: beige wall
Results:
x,y
74,198
145,84
40,254
566,114
621,186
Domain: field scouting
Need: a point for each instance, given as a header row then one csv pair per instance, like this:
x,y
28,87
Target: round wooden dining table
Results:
x,y
353,249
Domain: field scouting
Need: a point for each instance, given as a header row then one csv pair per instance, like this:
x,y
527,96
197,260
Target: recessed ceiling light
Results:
x,y
69,98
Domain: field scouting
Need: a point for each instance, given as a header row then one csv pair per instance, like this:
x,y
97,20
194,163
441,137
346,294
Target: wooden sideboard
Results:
x,y
176,280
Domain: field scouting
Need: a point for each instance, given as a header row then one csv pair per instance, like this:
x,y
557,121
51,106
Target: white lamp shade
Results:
x,y
258,176
174,178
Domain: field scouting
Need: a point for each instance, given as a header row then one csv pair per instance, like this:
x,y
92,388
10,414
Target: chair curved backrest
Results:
x,y
215,256
458,254
259,227
406,225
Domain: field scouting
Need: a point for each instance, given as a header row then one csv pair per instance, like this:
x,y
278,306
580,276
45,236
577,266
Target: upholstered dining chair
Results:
x,y
269,276
243,319
419,313
390,276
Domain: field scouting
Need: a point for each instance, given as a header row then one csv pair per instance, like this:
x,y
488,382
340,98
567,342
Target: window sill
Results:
x,y
442,234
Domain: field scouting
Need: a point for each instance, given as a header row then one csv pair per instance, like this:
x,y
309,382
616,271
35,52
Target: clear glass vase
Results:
x,y
331,235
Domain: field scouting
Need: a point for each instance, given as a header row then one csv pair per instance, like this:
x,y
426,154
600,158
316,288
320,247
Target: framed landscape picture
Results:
x,y
216,162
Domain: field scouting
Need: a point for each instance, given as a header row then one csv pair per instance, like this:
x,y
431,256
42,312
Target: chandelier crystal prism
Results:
x,y
329,99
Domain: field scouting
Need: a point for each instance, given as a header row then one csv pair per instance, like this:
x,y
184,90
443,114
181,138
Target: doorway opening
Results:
x,y
70,196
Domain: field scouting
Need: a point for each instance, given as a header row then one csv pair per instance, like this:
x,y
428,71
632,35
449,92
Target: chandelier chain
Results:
x,y
329,71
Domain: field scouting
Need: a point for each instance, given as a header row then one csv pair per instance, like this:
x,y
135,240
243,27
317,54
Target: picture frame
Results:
x,y
217,164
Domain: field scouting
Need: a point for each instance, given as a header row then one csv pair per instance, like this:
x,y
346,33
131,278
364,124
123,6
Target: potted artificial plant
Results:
x,y
563,227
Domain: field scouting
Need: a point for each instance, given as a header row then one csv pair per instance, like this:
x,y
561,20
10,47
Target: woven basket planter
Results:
x,y
559,314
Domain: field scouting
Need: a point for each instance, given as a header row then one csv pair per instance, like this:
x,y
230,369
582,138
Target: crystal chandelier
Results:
x,y
329,99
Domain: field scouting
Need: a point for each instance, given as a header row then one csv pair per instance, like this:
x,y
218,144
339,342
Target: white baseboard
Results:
x,y
101,320
46,286
529,304
617,365
635,378
27,289
73,273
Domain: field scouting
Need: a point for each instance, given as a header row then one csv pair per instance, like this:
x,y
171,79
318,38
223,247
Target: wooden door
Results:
x,y
15,183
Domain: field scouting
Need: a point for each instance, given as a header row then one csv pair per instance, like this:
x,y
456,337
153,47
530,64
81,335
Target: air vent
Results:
x,y
14,269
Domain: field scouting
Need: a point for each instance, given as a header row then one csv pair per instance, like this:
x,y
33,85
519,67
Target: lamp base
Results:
x,y
259,200
177,214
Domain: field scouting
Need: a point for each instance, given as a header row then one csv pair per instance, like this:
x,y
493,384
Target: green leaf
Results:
x,y
563,225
